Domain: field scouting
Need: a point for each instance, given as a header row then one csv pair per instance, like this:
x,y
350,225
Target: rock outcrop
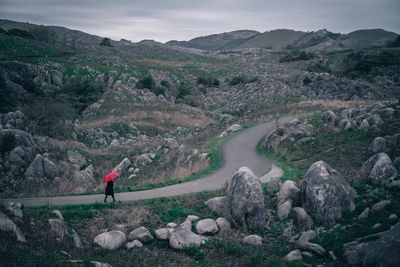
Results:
x,y
379,170
7,225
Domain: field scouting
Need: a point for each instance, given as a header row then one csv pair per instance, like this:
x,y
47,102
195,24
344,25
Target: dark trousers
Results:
x,y
105,199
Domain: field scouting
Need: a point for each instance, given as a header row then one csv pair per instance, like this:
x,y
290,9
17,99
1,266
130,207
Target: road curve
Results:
x,y
238,151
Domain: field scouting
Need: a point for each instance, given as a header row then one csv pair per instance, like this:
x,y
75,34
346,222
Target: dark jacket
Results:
x,y
110,188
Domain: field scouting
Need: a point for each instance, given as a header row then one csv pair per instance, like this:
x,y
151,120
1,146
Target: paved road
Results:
x,y
238,151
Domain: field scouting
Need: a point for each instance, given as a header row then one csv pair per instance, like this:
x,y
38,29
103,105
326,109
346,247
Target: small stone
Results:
x,y
162,233
134,244
333,256
363,215
186,225
172,225
206,226
294,255
393,217
58,214
192,218
141,234
223,224
376,226
380,206
254,240
307,254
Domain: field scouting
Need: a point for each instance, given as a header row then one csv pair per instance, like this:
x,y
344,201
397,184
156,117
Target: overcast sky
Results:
x,y
163,20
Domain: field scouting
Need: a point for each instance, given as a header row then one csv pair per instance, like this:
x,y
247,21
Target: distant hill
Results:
x,y
276,39
221,41
314,38
367,38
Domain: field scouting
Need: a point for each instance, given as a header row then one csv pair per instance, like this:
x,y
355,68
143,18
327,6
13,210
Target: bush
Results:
x,y
20,33
106,42
183,90
241,79
147,82
6,101
296,55
208,81
165,83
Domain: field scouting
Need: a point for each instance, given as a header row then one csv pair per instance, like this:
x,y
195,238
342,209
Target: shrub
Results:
x,y
183,90
20,33
147,82
165,83
241,79
106,42
296,55
83,93
208,81
6,101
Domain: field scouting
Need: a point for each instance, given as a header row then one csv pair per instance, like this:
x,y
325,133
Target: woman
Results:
x,y
109,190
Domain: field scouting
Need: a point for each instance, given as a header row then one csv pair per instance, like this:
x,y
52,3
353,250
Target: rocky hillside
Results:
x,y
276,39
222,41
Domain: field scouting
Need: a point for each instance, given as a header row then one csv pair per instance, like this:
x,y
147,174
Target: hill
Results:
x,y
221,41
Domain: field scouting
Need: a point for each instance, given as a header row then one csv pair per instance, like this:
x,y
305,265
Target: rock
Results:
x,y
100,264
273,183
333,256
379,170
307,254
7,225
301,219
396,164
380,205
329,116
223,225
172,225
186,225
284,209
245,200
58,214
344,125
376,226
364,125
42,167
382,249
206,226
183,238
76,159
134,244
233,128
218,205
110,240
15,209
84,180
143,159
76,238
326,195
122,166
294,255
392,217
162,233
141,234
170,143
58,228
378,145
254,240
307,236
192,218
310,247
364,215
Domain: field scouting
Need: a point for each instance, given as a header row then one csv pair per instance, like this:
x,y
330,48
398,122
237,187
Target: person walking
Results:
x,y
109,191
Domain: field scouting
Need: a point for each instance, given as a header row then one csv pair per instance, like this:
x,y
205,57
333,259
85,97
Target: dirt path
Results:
x,y
238,151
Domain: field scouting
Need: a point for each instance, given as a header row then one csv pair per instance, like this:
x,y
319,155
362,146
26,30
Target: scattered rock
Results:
x,y
110,240
122,166
380,170
206,226
76,159
134,244
15,209
392,217
307,236
162,233
245,200
141,234
284,209
383,250
42,167
218,205
223,225
58,214
294,255
254,240
170,143
233,128
307,254
183,238
288,195
376,226
326,195
100,264
310,247
329,116
364,215
58,227
172,225
301,219
76,238
192,218
380,206
333,256
378,145
186,225
7,225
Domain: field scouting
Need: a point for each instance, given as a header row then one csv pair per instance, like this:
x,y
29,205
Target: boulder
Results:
x,y
7,225
192,218
380,206
233,128
186,224
84,180
58,228
325,194
364,125
206,226
141,234
76,239
218,205
344,124
42,167
162,233
76,159
254,240
15,209
110,240
380,171
223,225
364,215
58,214
380,249
288,195
396,164
183,238
284,209
329,116
245,200
301,219
378,145
134,244
170,143
122,166
143,159
310,247
294,255
172,225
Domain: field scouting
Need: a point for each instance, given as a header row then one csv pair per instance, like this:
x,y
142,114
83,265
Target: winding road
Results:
x,y
238,151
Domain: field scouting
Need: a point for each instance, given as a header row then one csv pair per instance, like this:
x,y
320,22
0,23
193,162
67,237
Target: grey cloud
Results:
x,y
181,19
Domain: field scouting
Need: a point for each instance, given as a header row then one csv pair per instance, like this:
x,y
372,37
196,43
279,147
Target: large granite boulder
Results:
x,y
42,167
245,200
122,166
325,194
206,226
382,249
142,234
7,225
288,196
379,170
218,205
110,240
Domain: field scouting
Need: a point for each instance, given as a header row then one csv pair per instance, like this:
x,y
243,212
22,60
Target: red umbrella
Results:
x,y
110,177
